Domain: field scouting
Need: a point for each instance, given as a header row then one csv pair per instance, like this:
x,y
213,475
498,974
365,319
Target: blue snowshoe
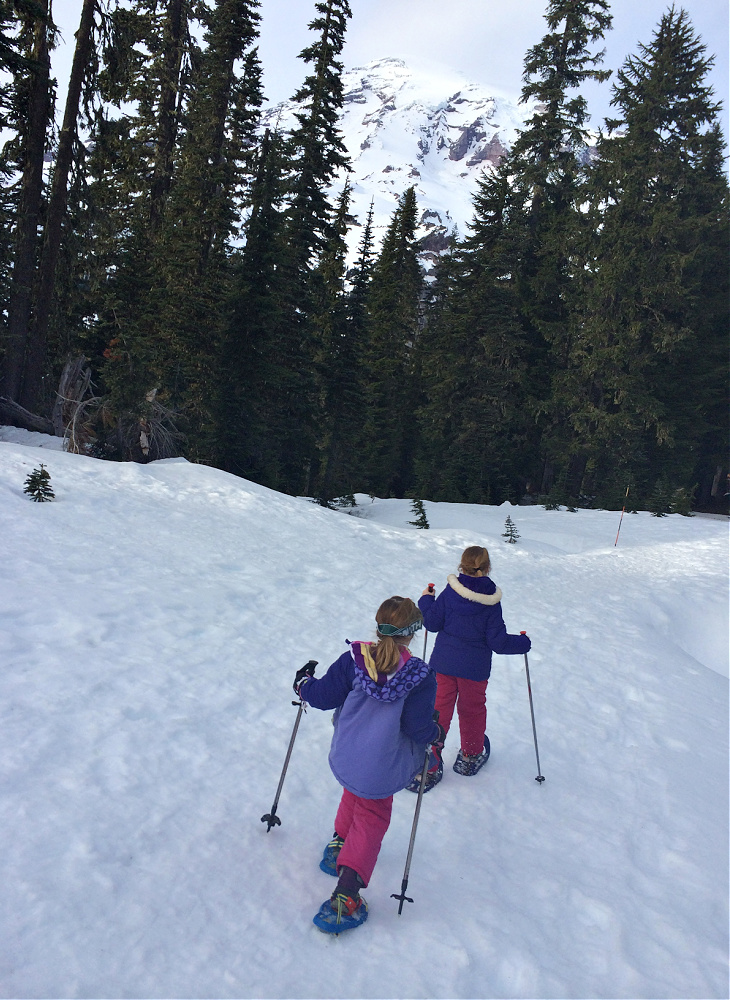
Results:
x,y
469,764
341,913
328,864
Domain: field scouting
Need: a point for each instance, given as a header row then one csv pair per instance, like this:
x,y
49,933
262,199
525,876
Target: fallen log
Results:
x,y
15,415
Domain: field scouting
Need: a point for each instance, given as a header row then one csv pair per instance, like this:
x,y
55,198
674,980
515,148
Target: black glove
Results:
x,y
438,743
306,671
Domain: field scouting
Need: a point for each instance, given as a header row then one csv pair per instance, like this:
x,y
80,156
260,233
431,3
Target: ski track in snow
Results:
x,y
151,621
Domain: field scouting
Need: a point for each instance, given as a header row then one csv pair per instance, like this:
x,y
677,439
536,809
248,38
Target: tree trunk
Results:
x,y
38,339
29,209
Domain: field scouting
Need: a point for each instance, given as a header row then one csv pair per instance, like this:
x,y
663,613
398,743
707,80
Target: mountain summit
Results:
x,y
437,131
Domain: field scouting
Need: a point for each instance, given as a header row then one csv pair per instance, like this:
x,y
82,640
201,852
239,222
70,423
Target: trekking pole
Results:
x,y
404,883
271,818
539,777
425,631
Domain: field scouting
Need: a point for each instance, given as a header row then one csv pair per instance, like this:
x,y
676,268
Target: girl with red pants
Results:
x,y
383,698
467,616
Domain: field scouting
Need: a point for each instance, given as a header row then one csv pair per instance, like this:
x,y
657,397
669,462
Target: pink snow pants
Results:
x,y
470,698
362,824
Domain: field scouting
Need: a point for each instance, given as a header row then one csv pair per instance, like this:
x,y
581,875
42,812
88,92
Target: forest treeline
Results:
x,y
175,280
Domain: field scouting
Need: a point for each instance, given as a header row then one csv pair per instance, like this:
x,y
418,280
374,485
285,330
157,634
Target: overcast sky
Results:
x,y
486,40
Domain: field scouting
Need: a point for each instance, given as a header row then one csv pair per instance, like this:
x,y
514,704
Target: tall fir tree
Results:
x,y
191,282
318,151
534,200
395,303
316,155
476,438
147,67
339,350
645,380
257,394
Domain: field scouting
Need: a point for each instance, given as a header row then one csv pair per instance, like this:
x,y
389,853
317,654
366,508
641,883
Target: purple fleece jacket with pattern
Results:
x,y
469,629
382,727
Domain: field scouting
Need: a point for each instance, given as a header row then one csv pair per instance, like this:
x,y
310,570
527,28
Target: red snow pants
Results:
x,y
470,698
362,824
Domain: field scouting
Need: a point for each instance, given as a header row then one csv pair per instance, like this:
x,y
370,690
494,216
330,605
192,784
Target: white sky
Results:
x,y
485,39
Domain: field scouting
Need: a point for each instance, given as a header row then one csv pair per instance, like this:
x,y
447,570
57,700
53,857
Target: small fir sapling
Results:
x,y
419,510
510,532
38,485
667,499
660,499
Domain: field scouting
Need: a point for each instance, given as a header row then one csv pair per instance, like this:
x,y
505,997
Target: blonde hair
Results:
x,y
398,611
475,561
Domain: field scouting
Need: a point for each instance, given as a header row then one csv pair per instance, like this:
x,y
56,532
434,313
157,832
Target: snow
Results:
x,y
151,622
399,125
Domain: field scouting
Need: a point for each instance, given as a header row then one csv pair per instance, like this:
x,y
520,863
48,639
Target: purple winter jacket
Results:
x,y
382,727
467,615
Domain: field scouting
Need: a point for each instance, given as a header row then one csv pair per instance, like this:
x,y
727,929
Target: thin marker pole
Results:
x,y
623,511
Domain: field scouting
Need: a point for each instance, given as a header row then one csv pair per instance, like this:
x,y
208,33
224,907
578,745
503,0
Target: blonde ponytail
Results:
x,y
400,612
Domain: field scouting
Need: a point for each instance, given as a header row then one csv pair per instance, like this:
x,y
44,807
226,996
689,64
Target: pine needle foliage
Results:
x,y
510,532
419,510
38,485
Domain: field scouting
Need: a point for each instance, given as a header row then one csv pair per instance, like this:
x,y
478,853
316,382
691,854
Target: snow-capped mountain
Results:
x,y
438,132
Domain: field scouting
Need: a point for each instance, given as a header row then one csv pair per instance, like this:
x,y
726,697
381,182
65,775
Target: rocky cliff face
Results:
x,y
404,128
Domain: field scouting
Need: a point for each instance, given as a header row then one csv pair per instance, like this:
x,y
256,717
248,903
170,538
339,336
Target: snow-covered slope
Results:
x,y
151,621
436,132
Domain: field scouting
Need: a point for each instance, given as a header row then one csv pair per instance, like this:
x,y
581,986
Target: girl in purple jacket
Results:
x,y
383,721
468,618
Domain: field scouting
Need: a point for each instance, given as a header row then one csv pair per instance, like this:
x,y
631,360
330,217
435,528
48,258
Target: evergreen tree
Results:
x,y
419,510
549,161
190,286
316,154
395,313
258,382
317,148
475,427
38,485
147,62
182,185
37,362
510,531
647,357
339,344
32,112
12,64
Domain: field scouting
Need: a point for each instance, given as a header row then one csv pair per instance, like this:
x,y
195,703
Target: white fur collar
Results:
x,y
471,595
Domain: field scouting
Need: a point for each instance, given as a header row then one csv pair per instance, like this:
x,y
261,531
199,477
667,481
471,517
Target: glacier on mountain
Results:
x,y
438,132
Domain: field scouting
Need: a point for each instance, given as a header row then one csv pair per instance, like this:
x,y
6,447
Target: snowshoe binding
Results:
x,y
468,764
328,864
341,913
